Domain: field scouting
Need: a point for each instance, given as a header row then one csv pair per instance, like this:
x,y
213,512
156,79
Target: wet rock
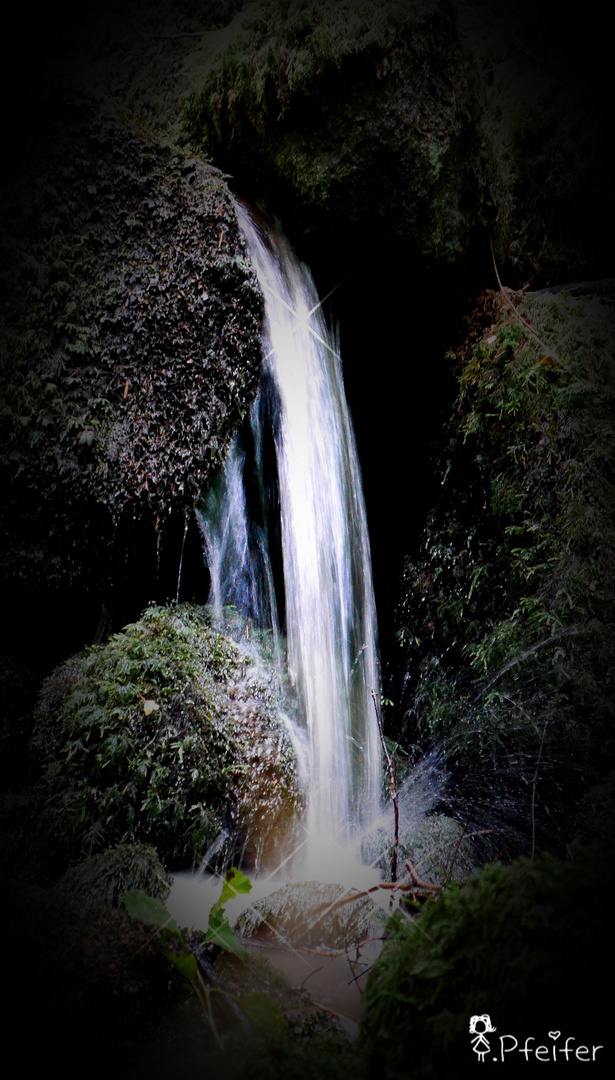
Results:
x,y
311,914
441,125
436,847
163,736
130,336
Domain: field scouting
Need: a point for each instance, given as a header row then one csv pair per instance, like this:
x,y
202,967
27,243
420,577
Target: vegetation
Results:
x,y
514,943
254,1023
508,617
165,735
361,112
424,122
129,356
106,877
112,343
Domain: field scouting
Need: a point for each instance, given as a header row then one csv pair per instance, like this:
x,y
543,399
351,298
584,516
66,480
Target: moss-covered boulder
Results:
x,y
438,124
508,617
167,735
106,877
130,353
515,943
436,847
353,113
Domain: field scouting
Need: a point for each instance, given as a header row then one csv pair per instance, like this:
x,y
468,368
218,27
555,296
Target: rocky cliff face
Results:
x,y
355,115
130,351
442,125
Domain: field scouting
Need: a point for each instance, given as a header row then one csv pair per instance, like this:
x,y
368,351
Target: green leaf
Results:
x,y
220,933
149,910
219,930
185,961
234,883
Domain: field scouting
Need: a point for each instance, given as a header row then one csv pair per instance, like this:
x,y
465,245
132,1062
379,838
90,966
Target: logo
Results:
x,y
506,1048
479,1025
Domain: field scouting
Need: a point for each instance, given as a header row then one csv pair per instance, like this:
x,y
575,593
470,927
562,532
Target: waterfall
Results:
x,y
328,593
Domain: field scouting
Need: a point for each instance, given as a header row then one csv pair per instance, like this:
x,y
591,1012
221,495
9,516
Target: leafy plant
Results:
x,y
511,942
508,619
219,931
159,737
259,1008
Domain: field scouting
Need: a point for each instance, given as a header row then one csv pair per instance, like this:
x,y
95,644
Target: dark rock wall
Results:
x,y
130,355
352,116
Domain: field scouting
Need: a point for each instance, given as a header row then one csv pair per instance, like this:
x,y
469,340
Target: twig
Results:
x,y
416,880
313,972
528,326
334,1012
394,793
449,868
329,954
534,783
416,886
355,978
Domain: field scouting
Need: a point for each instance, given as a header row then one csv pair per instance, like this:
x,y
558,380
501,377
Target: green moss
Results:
x,y
358,111
130,332
508,618
514,943
106,877
156,737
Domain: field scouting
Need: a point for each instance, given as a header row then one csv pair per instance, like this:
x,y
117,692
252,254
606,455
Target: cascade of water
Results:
x,y
236,549
329,602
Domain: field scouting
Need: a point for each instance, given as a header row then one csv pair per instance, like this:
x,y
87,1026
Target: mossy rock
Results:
x,y
130,332
438,124
106,877
167,735
78,966
355,113
523,943
507,620
436,847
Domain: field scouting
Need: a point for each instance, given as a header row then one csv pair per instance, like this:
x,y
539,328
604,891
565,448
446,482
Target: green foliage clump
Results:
x,y
508,616
106,877
254,1023
515,943
159,737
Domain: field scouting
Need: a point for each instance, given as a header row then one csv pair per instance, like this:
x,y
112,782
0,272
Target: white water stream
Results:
x,y
328,594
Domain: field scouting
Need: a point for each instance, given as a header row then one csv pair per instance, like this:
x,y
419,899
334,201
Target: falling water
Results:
x,y
328,593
